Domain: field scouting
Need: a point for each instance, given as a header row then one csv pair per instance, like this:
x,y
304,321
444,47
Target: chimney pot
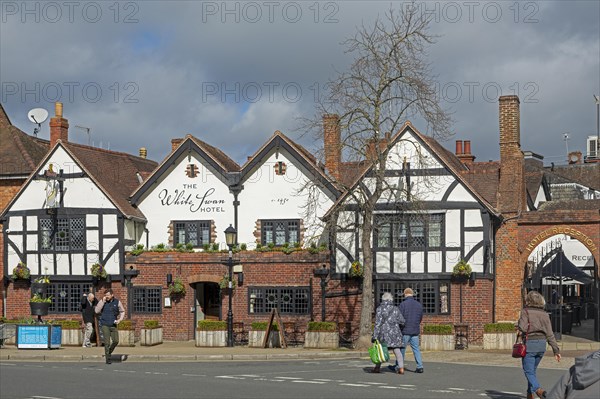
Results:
x,y
58,110
459,147
175,143
467,147
143,152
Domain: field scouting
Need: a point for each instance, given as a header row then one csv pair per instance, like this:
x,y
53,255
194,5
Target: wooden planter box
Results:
x,y
499,340
72,337
256,338
126,337
214,338
151,336
437,342
321,339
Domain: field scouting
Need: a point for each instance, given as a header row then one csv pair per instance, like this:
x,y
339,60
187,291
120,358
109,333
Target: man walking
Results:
x,y
412,311
87,311
111,313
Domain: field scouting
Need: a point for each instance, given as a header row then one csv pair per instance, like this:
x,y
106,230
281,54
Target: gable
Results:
x,y
79,191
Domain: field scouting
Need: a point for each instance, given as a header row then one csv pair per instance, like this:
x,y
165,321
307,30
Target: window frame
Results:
x,y
295,291
288,223
398,231
148,294
396,288
201,226
75,295
45,235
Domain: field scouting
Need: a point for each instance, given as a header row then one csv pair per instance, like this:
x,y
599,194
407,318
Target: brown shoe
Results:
x,y
530,396
401,370
540,393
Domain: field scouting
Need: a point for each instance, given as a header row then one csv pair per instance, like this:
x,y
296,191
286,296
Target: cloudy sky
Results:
x,y
138,73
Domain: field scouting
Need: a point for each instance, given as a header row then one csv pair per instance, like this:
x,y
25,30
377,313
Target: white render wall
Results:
x,y
289,196
179,197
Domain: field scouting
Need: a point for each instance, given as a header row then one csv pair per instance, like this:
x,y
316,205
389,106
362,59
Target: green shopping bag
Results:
x,y
379,352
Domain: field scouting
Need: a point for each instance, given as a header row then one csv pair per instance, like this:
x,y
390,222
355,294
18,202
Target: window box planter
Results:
x,y
151,334
437,337
499,335
126,331
256,335
211,333
321,335
72,332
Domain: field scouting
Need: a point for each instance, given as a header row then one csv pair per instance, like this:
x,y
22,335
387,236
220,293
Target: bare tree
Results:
x,y
388,82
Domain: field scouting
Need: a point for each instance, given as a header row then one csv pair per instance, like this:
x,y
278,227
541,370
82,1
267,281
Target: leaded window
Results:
x,y
434,295
408,231
279,232
288,300
147,299
67,234
195,232
66,297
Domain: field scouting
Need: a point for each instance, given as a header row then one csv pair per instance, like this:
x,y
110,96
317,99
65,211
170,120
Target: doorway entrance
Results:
x,y
207,302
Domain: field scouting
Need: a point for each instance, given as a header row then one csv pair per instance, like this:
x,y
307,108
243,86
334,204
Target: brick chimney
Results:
x,y
59,126
143,152
511,191
333,147
459,148
371,154
175,143
465,156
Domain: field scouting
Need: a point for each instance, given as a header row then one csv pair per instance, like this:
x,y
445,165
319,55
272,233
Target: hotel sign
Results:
x,y
587,241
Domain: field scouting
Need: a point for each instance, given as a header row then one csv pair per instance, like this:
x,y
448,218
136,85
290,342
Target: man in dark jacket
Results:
x,y
89,317
111,313
412,311
581,381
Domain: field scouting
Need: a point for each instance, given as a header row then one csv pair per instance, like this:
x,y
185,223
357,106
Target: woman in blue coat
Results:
x,y
388,321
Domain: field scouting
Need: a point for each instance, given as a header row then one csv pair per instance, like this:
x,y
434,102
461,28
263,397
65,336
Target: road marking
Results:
x,y
405,388
355,385
158,373
289,378
309,382
249,375
194,375
371,383
44,397
311,362
125,371
328,380
7,364
441,391
458,389
232,377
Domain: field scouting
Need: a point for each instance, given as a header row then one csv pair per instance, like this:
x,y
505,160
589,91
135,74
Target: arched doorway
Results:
x,y
207,297
564,270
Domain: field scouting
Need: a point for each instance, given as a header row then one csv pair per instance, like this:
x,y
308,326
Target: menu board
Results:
x,y
38,337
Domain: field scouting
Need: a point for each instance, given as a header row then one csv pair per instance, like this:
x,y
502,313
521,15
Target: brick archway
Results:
x,y
204,278
582,233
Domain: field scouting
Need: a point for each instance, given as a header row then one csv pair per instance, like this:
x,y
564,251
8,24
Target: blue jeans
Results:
x,y
533,357
413,340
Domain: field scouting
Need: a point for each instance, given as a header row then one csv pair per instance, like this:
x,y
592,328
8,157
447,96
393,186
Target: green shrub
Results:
x,y
262,326
243,247
68,324
189,247
271,245
151,324
298,245
499,328
437,329
125,325
206,247
215,246
322,326
137,250
212,325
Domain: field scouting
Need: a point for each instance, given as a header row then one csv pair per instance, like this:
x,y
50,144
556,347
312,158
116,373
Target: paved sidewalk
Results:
x,y
171,351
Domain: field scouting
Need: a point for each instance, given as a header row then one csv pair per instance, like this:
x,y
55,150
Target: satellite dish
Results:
x,y
38,115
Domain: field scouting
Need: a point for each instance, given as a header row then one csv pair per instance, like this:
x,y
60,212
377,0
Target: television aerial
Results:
x,y
37,116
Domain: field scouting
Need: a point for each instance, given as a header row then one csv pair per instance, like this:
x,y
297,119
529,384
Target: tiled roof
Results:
x,y
19,152
350,171
587,175
115,173
219,156
570,205
484,177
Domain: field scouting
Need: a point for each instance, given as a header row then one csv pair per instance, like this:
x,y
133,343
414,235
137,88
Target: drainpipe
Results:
x,y
147,237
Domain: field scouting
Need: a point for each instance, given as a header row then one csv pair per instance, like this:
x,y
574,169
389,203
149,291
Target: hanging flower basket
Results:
x,y
177,287
462,271
21,272
224,283
40,305
99,271
356,270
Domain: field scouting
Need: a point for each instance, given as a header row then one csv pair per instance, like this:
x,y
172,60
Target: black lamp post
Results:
x,y
230,239
322,273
